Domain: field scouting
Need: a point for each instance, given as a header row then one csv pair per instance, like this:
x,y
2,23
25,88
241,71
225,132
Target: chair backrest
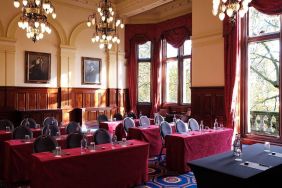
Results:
x,y
181,127
132,115
128,123
165,129
28,122
158,119
6,123
102,118
118,116
193,124
184,118
74,139
21,131
73,127
53,128
50,121
102,136
44,143
144,121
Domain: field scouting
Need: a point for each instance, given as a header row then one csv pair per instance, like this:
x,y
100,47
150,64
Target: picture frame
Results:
x,y
37,67
91,70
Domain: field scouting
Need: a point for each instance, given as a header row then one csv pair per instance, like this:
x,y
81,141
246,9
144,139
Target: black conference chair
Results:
x,y
181,127
50,121
102,136
144,121
6,123
28,122
51,130
73,127
158,119
21,131
193,124
44,143
118,116
74,140
102,118
165,130
128,123
132,115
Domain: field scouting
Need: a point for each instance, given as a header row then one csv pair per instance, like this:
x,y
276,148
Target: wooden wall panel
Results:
x,y
43,101
34,99
21,101
2,97
31,101
208,104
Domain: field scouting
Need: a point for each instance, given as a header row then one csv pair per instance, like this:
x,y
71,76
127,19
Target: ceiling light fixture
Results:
x,y
34,17
105,25
230,7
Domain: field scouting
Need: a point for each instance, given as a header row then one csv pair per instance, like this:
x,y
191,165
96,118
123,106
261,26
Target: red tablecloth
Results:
x,y
121,167
3,137
151,135
17,158
181,148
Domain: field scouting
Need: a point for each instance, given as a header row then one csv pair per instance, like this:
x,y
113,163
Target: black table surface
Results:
x,y
225,163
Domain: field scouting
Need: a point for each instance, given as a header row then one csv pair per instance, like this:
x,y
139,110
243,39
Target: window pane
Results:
x,y
260,23
187,47
171,51
186,81
171,81
264,87
144,50
144,82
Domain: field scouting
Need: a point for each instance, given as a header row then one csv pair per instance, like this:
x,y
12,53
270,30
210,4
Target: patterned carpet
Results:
x,y
160,177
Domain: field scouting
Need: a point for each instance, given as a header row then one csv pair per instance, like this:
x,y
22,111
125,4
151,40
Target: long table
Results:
x,y
182,148
16,158
107,167
223,170
117,127
150,134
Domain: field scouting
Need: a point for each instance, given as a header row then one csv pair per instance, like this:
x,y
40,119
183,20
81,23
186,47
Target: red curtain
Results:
x,y
268,6
231,57
232,51
175,31
132,70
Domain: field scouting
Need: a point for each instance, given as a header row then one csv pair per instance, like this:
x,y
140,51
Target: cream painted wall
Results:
x,y
85,48
66,56
207,46
49,44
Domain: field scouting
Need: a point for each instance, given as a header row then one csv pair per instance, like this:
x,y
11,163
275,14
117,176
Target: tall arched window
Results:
x,y
262,76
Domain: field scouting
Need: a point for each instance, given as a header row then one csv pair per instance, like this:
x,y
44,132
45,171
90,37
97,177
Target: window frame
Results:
x,y
244,121
180,59
144,60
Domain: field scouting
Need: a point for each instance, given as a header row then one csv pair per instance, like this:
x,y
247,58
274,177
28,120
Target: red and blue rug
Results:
x,y
159,177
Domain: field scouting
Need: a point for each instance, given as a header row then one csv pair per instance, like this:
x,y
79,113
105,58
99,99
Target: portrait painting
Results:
x,y
38,67
91,70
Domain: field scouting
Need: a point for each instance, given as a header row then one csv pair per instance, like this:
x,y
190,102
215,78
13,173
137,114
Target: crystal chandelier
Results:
x,y
105,25
230,7
34,17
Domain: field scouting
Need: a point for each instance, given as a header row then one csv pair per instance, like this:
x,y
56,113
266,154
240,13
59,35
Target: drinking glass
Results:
x,y
123,140
238,155
114,119
8,129
221,126
58,151
58,134
266,146
26,137
92,146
